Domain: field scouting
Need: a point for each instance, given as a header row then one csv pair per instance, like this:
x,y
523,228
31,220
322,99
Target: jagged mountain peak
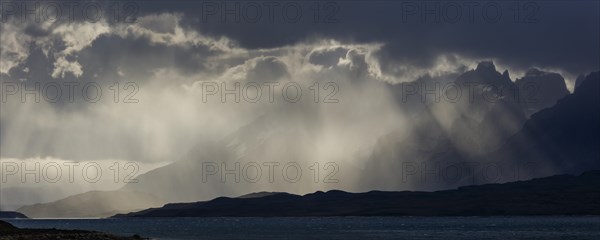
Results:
x,y
485,73
540,89
486,66
544,79
536,72
505,74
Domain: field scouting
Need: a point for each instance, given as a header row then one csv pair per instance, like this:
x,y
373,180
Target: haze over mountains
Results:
x,y
92,204
500,135
467,146
495,133
461,130
469,131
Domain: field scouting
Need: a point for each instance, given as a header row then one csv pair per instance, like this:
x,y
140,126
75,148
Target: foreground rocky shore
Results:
x,y
10,232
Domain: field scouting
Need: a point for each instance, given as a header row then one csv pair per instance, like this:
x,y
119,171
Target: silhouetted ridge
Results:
x,y
11,214
556,195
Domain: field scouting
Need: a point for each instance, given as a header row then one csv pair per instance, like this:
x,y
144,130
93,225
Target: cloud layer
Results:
x,y
160,110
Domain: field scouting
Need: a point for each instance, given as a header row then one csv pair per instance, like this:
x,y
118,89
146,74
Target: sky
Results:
x,y
158,64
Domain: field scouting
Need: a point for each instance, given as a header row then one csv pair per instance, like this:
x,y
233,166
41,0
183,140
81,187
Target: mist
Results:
x,y
206,116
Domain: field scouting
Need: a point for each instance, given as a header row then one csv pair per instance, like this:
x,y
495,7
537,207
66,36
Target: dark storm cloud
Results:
x,y
111,54
548,34
552,34
559,35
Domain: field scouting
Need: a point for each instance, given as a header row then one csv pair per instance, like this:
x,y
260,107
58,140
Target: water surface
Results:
x,y
362,228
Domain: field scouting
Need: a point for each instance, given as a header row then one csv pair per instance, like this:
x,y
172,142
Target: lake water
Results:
x,y
362,228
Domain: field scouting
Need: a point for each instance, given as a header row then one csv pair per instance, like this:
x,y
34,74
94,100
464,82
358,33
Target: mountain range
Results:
x,y
559,139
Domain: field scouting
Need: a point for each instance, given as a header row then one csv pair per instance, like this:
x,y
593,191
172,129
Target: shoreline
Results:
x,y
10,232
